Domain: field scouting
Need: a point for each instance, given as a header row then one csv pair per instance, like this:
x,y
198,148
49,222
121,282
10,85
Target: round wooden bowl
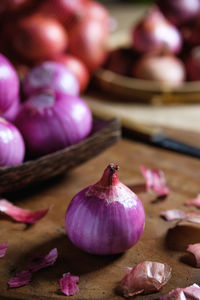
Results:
x,y
104,134
133,89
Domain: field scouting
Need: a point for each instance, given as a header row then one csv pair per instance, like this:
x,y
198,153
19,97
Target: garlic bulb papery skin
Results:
x,y
105,218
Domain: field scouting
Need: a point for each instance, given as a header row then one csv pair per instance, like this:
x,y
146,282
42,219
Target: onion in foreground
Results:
x,y
105,218
51,121
12,147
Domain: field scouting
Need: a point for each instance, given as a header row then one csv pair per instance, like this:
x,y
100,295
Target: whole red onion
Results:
x,y
179,11
51,121
95,10
50,75
11,113
38,37
87,41
12,147
154,33
193,64
9,84
190,31
65,11
105,218
165,69
77,67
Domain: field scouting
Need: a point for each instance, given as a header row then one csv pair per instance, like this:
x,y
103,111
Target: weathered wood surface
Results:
x,y
99,276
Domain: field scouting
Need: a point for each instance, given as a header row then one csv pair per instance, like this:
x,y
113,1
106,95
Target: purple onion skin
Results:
x,y
9,84
98,225
52,121
12,148
50,75
11,113
155,34
179,11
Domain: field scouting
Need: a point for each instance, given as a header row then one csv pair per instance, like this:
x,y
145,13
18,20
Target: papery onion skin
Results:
x,y
179,11
166,69
87,41
105,218
77,67
12,148
39,38
193,64
154,34
51,121
9,84
50,75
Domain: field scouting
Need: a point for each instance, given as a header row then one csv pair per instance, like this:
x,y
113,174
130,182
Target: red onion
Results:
x,y
65,11
12,147
179,11
50,75
154,33
52,120
13,5
9,84
11,113
168,70
87,41
191,31
105,218
39,38
193,64
77,67
96,11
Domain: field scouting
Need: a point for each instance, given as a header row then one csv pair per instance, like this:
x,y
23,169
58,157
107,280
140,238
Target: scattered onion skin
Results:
x,y
87,41
51,121
12,148
193,64
179,11
77,67
154,33
9,84
39,38
105,218
165,69
50,75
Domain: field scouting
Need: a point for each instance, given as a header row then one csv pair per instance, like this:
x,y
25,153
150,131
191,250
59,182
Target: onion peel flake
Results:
x,y
194,202
146,277
69,285
3,249
179,215
195,250
155,180
190,292
20,214
22,278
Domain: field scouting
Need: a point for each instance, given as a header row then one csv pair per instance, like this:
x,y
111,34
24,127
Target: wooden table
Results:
x,y
99,275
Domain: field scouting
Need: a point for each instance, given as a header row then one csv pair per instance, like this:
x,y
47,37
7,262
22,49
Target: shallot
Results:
x,y
154,34
166,69
9,84
51,121
12,148
105,218
50,75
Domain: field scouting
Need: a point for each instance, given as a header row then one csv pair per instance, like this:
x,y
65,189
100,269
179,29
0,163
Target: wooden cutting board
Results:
x,y
100,275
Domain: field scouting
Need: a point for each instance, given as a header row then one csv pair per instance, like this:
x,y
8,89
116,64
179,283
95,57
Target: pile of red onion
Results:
x,y
164,44
72,32
52,117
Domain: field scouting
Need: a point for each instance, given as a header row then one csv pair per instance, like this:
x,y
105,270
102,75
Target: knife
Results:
x,y
157,138
145,133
